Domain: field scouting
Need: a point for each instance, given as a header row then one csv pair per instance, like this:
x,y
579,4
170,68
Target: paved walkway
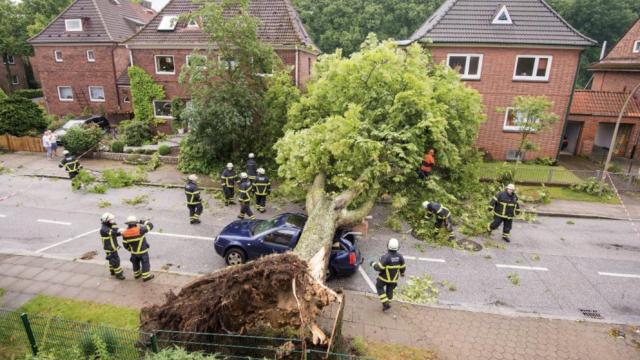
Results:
x,y
451,334
583,209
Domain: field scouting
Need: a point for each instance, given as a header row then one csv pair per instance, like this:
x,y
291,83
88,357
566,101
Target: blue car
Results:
x,y
245,240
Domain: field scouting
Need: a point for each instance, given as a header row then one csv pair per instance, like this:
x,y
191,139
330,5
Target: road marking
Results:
x,y
410,257
66,241
183,236
634,276
425,259
54,222
367,279
522,267
3,216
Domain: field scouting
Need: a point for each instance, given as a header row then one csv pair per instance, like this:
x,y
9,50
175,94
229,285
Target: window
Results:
x,y
514,121
15,80
91,56
192,24
9,59
227,63
197,60
636,46
162,109
282,238
73,24
468,65
532,68
96,93
165,65
65,93
58,55
168,23
502,17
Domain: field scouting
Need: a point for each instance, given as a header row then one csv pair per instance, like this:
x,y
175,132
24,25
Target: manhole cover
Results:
x,y
591,314
469,245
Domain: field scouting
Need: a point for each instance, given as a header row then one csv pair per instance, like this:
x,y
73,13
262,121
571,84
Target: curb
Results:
x,y
148,184
581,216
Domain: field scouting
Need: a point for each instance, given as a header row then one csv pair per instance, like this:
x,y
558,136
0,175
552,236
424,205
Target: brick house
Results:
x,y
18,74
79,55
506,48
164,45
594,112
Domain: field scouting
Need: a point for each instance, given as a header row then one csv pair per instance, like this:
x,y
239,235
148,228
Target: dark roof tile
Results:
x,y
603,103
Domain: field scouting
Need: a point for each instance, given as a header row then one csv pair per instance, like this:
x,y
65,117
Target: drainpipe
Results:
x,y
130,55
297,76
566,115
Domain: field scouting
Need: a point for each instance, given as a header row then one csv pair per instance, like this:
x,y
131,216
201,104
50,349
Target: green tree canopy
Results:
x,y
13,35
21,117
39,13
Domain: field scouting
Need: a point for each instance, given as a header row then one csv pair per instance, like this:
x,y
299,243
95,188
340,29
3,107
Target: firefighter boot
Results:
x,y
150,277
386,306
120,276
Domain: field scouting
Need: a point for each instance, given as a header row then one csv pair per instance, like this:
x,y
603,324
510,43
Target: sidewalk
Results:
x,y
581,209
451,334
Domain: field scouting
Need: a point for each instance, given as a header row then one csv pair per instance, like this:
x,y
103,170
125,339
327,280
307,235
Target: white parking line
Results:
x,y
66,241
367,279
425,259
410,257
3,216
522,267
182,236
634,276
53,222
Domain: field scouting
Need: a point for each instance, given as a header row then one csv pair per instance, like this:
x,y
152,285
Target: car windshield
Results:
x,y
263,225
72,123
296,220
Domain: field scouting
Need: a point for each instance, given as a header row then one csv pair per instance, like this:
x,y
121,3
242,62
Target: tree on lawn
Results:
x,y
531,115
361,130
13,36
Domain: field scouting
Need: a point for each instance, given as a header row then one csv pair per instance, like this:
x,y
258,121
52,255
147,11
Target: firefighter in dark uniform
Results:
x,y
262,188
244,196
70,164
390,267
252,167
135,242
194,202
109,234
505,207
442,215
229,179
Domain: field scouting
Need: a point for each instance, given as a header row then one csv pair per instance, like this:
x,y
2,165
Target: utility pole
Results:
x,y
615,131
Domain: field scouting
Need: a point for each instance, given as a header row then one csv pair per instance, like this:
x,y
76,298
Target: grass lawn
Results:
x,y
530,173
385,351
562,193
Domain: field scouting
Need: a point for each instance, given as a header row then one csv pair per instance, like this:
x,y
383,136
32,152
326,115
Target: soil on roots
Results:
x,y
244,299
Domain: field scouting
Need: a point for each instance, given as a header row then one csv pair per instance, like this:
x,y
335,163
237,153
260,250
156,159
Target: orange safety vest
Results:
x,y
427,163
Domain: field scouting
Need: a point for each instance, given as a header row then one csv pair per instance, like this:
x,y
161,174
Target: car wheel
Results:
x,y
235,256
330,274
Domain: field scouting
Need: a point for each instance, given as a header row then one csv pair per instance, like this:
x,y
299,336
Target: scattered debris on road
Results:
x,y
137,200
419,290
89,255
514,278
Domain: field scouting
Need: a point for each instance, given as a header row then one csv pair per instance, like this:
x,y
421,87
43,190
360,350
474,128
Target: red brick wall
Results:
x,y
498,89
615,81
16,69
77,72
590,130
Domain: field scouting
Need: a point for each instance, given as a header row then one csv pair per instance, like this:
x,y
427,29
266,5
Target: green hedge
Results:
x,y
29,93
21,117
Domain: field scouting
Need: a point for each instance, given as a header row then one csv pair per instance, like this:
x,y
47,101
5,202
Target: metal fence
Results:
x,y
64,339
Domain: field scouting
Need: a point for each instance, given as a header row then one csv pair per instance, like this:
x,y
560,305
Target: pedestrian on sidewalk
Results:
x,y
390,267
505,207
53,141
194,202
229,179
244,196
109,234
262,188
70,164
46,143
252,167
442,215
134,240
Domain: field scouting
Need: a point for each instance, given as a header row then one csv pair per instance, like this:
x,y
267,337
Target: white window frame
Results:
x,y
497,21
511,128
154,109
155,59
59,94
533,77
192,55
465,75
70,28
91,58
11,60
636,46
103,94
55,55
17,80
226,64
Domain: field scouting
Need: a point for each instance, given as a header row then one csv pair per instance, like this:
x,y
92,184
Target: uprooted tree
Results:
x,y
359,132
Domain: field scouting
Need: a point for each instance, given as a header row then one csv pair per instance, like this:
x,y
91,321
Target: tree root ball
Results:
x,y
244,299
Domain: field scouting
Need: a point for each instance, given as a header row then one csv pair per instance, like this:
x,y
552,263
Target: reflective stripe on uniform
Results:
x,y
192,196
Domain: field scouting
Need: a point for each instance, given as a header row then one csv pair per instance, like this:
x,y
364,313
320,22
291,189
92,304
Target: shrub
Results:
x,y
615,168
119,178
54,122
593,187
135,133
21,117
179,354
2,94
29,93
154,162
164,150
143,91
80,139
547,161
117,146
99,345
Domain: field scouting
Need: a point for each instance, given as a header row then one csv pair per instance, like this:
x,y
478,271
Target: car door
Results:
x,y
278,241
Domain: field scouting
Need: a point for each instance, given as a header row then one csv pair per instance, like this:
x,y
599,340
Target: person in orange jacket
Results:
x,y
428,163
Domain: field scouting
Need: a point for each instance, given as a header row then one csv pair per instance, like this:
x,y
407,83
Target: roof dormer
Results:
x,y
168,23
73,25
502,17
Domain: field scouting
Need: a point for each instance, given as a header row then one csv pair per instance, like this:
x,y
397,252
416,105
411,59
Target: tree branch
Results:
x,y
343,200
316,192
352,217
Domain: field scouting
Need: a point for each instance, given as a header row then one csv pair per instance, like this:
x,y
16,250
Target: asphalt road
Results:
x,y
563,266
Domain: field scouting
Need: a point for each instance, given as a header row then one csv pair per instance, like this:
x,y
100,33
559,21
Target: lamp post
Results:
x,y
615,131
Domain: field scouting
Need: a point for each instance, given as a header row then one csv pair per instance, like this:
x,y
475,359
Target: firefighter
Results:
x,y
251,167
135,242
194,202
229,179
262,188
70,164
109,234
505,207
244,196
428,162
442,215
390,267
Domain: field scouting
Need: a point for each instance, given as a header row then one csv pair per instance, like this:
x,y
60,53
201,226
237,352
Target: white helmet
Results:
x,y
511,187
251,156
131,219
261,171
65,152
229,166
243,175
192,177
393,244
107,217
425,204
